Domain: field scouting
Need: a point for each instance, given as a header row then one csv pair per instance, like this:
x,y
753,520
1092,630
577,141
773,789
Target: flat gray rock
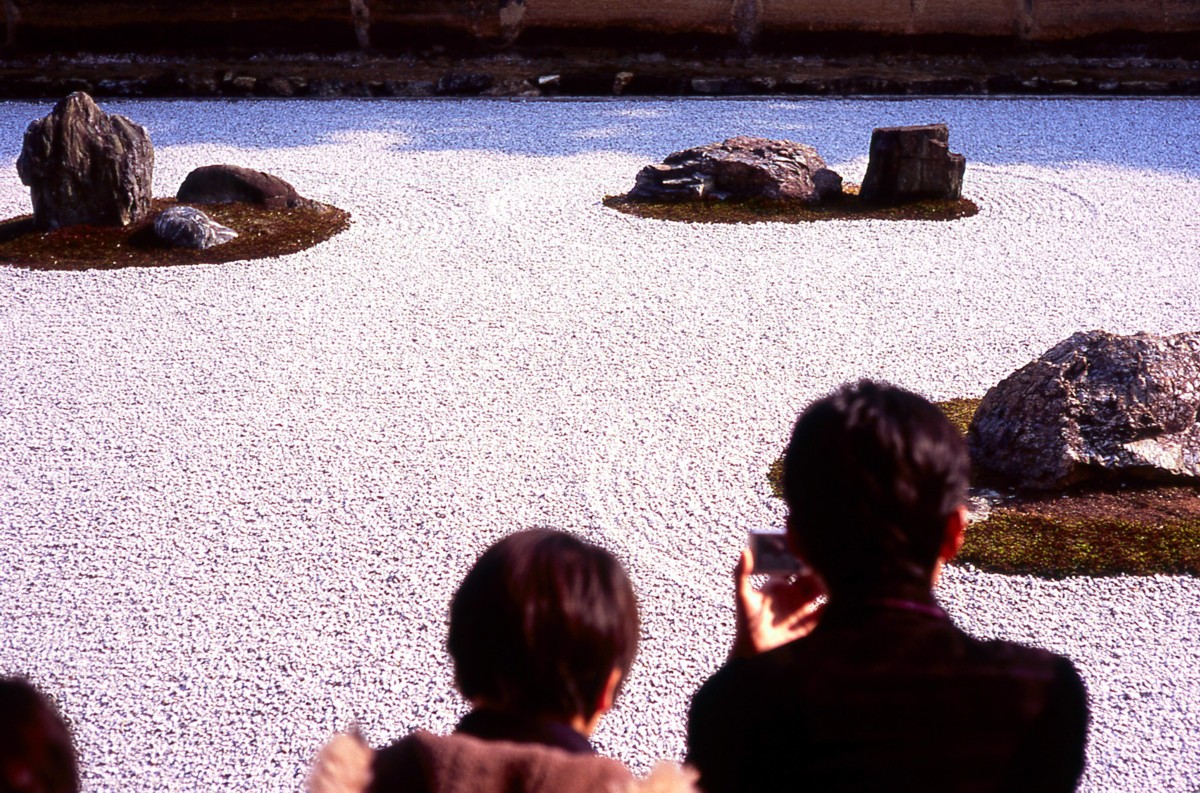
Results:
x,y
188,227
84,166
1096,406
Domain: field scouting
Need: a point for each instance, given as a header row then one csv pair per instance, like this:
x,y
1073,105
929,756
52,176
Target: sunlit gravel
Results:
x,y
235,499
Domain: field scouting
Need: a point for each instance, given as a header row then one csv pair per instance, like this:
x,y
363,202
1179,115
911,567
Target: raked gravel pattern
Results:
x,y
235,499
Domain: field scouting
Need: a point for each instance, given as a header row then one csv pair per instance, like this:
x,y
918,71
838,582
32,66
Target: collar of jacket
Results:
x,y
501,725
853,610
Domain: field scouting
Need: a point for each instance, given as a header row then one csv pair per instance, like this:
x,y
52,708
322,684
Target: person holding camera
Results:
x,y
848,676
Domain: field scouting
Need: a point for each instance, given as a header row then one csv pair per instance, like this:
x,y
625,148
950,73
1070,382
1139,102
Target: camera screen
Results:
x,y
772,555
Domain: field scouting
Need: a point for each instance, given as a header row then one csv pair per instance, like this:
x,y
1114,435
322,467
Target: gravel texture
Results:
x,y
235,498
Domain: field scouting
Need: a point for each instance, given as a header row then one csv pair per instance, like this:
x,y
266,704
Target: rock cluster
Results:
x,y
188,227
912,163
221,184
84,166
1096,406
740,168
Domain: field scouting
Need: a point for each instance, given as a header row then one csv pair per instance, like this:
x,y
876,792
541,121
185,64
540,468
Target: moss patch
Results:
x,y
1097,531
775,477
261,232
960,412
1134,531
847,207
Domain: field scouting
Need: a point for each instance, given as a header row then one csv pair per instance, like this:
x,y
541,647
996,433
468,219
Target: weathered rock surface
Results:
x,y
740,168
188,227
1096,406
912,163
84,166
222,184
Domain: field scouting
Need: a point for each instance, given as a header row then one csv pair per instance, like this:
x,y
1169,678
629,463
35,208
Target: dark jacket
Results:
x,y
890,696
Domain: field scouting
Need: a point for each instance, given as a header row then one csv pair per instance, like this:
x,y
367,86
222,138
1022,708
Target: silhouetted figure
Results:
x,y
36,752
877,690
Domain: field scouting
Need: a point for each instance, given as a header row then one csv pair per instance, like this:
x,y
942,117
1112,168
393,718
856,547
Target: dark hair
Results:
x,y
870,477
36,753
540,622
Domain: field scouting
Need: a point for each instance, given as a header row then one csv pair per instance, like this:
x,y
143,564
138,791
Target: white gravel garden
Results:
x,y
235,498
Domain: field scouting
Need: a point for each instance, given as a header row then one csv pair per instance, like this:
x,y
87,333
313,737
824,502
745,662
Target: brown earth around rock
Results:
x,y
1103,528
1146,504
262,233
847,206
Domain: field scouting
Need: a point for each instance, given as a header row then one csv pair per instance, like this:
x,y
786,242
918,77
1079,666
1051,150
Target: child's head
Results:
x,y
540,625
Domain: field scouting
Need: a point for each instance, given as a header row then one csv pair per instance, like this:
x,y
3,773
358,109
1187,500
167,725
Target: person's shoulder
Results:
x,y
477,764
740,713
1033,674
744,686
1021,659
406,746
399,764
733,677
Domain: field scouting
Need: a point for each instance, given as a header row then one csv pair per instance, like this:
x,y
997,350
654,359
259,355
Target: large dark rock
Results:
x,y
84,166
223,184
740,168
188,227
1095,407
912,163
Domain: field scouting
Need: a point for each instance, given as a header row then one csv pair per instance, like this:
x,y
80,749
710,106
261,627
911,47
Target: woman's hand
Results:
x,y
782,611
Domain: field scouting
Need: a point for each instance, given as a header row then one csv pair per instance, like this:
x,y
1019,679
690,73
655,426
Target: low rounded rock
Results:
x,y
221,184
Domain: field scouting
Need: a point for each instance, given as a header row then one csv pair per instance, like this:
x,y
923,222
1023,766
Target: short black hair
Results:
x,y
36,751
540,622
870,477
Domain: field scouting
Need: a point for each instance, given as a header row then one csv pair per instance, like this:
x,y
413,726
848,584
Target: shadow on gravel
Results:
x,y
1146,134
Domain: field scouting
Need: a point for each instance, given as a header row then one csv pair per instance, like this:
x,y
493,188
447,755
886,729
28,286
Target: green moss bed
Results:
x,y
1090,531
261,232
847,207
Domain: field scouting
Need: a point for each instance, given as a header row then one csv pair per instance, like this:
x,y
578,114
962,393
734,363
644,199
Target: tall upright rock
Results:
x,y
84,166
912,163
